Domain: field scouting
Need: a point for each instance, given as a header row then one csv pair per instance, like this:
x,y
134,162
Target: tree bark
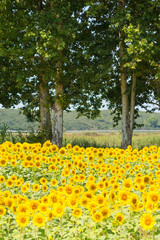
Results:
x,y
132,106
126,140
58,120
45,120
57,135
126,136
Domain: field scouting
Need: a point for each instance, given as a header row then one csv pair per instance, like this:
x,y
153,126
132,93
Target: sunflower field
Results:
x,y
79,193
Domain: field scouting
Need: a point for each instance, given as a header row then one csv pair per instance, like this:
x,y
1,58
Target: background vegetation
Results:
x,y
15,121
10,119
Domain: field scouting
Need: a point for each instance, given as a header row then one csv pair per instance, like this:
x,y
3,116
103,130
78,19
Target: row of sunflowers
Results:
x,y
78,193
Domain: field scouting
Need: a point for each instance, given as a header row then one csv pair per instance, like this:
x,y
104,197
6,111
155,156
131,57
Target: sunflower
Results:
x,y
147,221
68,189
116,186
90,158
54,182
58,210
52,167
53,198
77,212
82,177
154,197
149,206
47,143
72,202
9,183
124,196
24,189
2,211
39,220
13,178
68,146
37,164
101,186
97,217
62,151
120,218
43,180
34,204
45,200
25,164
100,199
65,172
92,187
53,148
50,215
13,163
105,211
22,219
142,187
134,199
35,187
23,208
91,178
44,188
127,184
3,162
2,179
92,206
84,201
43,208
146,179
89,195
77,190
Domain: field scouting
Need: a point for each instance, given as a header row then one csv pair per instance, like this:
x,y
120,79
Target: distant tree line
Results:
x,y
57,54
15,121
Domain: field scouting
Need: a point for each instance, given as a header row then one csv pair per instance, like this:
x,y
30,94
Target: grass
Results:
x,y
112,139
88,139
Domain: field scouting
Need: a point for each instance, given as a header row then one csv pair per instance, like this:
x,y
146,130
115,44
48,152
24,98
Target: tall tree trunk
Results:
x,y
132,106
156,84
126,140
45,120
124,94
57,135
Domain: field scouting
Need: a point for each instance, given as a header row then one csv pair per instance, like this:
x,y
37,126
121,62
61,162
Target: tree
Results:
x,y
127,79
9,43
139,40
53,70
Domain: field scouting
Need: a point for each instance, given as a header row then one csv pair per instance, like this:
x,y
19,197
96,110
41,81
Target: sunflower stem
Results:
x,y
61,227
8,228
46,229
35,233
21,233
0,230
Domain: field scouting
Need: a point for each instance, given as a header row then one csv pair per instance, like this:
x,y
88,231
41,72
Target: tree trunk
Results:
x,y
45,119
57,135
126,140
124,94
132,107
57,120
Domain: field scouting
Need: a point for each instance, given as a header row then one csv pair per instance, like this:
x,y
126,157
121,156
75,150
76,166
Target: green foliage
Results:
x,y
15,121
3,133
